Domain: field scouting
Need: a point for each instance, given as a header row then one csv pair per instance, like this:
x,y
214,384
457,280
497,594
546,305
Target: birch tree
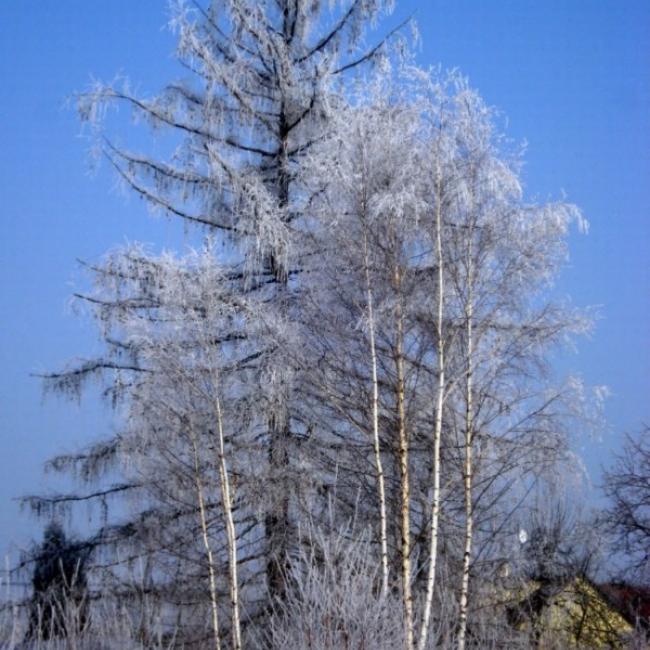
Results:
x,y
185,394
368,214
502,254
378,294
439,186
456,263
183,433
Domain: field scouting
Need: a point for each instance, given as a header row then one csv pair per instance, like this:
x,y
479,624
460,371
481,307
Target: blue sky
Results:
x,y
571,77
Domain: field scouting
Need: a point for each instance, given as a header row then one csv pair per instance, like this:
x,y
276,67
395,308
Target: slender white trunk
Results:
x,y
405,495
468,467
231,538
381,489
437,433
212,574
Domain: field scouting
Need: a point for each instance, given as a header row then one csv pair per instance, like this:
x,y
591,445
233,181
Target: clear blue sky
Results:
x,y
572,77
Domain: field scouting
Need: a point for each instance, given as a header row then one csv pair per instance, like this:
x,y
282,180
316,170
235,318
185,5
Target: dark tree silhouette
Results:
x,y
58,605
627,485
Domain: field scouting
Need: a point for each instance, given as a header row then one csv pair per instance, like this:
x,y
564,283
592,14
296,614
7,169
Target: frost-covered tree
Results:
x,y
433,330
182,422
367,325
265,79
507,418
365,378
627,486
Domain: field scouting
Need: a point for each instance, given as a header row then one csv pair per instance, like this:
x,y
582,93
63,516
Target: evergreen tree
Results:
x,y
58,605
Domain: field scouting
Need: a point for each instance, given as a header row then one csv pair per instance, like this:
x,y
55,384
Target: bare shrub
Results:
x,y
334,597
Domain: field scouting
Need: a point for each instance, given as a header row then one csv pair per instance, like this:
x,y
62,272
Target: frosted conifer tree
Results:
x,y
266,76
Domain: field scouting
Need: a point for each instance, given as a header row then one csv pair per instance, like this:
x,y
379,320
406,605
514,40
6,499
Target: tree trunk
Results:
x,y
403,452
437,433
277,522
212,577
467,465
381,490
226,500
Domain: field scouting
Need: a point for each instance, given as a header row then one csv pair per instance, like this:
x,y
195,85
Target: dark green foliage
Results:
x,y
58,606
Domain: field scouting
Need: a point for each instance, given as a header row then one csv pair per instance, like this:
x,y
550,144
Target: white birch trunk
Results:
x,y
231,538
212,577
381,490
405,495
468,467
437,433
